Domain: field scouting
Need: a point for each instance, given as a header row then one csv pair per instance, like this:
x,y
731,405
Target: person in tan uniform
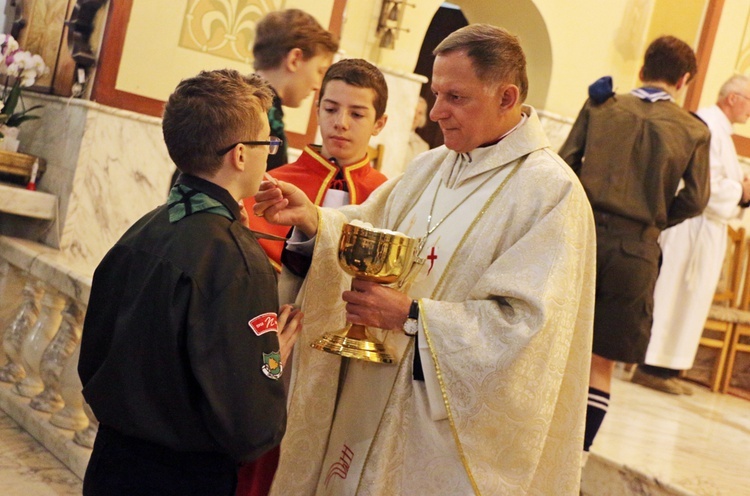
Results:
x,y
631,153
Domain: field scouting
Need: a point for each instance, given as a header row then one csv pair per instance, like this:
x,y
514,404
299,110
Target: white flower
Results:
x,y
17,62
8,44
20,68
24,65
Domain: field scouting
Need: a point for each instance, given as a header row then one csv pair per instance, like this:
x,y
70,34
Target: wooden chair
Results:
x,y
376,153
740,340
726,312
731,277
740,343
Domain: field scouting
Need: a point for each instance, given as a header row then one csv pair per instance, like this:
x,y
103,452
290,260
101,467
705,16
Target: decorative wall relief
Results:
x,y
225,28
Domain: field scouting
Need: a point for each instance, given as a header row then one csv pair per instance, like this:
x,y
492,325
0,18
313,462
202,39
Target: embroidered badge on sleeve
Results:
x,y
272,365
263,323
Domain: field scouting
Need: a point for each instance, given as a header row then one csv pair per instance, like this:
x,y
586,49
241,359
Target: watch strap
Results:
x,y
414,310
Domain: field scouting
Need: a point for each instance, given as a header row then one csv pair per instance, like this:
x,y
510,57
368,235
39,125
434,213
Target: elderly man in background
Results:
x,y
694,250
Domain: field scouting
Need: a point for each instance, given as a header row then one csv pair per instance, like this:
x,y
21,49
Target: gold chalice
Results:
x,y
377,256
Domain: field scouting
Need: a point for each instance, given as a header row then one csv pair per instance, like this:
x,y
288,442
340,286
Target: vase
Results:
x,y
9,142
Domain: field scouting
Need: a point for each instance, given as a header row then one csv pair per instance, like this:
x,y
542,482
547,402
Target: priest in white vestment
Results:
x,y
694,250
489,396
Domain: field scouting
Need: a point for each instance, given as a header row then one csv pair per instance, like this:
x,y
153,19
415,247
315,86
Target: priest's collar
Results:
x,y
483,149
524,138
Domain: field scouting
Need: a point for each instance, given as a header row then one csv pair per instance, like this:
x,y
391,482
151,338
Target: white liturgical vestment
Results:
x,y
506,311
692,256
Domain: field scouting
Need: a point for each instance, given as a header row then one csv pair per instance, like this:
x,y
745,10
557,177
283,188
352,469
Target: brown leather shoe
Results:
x,y
686,390
651,381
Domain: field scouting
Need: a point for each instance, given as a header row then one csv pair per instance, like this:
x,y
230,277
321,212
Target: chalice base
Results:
x,y
368,349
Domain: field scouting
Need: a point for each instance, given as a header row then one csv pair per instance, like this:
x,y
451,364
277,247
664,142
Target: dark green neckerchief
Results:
x,y
184,201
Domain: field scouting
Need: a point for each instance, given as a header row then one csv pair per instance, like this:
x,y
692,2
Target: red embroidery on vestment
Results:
x,y
431,257
341,468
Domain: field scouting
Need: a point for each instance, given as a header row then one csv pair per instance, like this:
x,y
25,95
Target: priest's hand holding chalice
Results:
x,y
374,255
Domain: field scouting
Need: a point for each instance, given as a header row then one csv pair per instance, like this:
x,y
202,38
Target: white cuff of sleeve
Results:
x,y
299,243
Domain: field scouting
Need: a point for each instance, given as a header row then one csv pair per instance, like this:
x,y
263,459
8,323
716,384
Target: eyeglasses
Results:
x,y
273,145
743,96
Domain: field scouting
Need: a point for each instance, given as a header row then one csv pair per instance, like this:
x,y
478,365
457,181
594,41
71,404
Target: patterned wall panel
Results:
x,y
225,28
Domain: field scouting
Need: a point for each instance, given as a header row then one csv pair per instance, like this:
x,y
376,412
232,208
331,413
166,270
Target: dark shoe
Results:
x,y
660,384
686,390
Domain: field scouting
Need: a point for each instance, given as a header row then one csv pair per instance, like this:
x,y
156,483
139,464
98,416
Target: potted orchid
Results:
x,y
19,69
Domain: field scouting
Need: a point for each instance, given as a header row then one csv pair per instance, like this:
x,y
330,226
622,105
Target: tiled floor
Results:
x,y
27,469
699,444
651,443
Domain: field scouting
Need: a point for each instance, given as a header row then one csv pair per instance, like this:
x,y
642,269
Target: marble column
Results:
x,y
71,417
85,437
37,341
11,292
55,357
26,316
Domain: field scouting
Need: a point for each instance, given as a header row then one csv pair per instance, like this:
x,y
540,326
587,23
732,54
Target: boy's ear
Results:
x,y
238,157
293,59
683,81
379,124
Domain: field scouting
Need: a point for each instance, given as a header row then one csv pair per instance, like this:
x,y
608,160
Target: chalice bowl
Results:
x,y
369,254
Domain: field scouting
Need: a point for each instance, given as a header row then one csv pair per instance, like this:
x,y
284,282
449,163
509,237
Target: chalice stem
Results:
x,y
357,331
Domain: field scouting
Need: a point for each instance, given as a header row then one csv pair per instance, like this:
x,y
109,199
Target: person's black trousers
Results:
x,y
122,465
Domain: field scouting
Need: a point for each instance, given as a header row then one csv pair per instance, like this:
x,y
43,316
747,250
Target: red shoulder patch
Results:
x,y
263,323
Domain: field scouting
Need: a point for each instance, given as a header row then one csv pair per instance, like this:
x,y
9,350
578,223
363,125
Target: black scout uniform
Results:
x,y
179,358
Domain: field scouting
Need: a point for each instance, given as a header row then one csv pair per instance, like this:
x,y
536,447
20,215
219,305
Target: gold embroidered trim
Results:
x,y
314,151
331,173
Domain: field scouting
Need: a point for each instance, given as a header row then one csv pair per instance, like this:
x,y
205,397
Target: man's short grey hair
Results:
x,y
496,54
739,83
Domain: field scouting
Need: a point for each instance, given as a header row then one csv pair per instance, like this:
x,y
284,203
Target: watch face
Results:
x,y
411,327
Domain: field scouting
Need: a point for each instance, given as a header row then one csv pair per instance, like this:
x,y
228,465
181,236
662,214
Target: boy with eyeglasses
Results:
x,y
184,343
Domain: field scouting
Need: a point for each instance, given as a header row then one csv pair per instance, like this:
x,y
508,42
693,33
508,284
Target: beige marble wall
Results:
x,y
108,167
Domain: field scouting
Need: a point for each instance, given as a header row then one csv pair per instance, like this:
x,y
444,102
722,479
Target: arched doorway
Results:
x,y
446,20
520,17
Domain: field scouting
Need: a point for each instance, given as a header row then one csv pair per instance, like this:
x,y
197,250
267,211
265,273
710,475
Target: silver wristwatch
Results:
x,y
411,326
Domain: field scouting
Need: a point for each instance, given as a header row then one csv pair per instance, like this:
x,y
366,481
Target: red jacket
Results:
x,y
313,174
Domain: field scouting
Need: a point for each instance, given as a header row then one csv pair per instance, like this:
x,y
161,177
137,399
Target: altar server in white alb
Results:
x,y
693,251
493,340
